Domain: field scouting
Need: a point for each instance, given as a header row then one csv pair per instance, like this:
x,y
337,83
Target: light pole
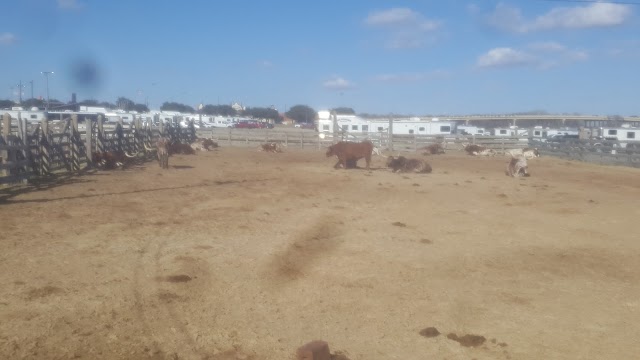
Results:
x,y
46,75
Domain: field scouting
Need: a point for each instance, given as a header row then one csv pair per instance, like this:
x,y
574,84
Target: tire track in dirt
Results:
x,y
308,247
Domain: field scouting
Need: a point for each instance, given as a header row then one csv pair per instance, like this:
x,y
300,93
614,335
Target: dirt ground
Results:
x,y
236,254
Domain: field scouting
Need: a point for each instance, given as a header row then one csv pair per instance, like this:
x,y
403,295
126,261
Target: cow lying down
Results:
x,y
478,150
433,149
404,165
271,147
517,167
202,144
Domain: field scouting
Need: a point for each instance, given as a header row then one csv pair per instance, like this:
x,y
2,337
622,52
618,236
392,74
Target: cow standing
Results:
x,y
349,153
162,146
517,167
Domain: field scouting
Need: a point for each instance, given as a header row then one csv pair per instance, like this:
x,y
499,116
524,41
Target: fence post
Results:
x,y
319,143
6,131
286,139
415,143
26,152
45,141
74,140
100,135
118,134
192,131
229,136
88,140
161,126
301,139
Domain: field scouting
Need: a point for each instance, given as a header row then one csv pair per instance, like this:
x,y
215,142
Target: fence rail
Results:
x,y
29,150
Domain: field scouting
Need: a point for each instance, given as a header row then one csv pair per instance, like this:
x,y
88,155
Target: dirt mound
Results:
x,y
467,340
429,332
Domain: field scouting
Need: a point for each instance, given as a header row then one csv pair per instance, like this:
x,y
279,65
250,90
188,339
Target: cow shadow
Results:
x,y
181,167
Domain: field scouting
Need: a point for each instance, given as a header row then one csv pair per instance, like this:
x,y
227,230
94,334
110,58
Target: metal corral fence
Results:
x,y
309,139
598,152
29,150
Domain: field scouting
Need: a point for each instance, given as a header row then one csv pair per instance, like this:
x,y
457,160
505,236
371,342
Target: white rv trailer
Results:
x,y
33,115
471,130
354,124
509,132
622,134
542,134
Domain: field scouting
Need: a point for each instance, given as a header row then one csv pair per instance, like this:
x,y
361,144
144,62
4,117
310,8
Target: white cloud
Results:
x,y
541,56
396,16
338,83
265,64
7,38
509,18
69,4
504,57
406,28
594,15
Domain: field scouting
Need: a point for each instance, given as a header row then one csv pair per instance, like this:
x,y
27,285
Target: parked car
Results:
x,y
563,138
306,126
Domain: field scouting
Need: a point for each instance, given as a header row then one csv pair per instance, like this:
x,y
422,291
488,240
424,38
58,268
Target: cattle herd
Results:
x,y
347,153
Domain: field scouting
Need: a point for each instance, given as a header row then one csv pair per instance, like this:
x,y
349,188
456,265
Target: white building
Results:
x,y
354,124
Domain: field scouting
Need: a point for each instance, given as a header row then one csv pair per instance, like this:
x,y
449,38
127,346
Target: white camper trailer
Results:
x,y
33,115
622,134
354,124
471,130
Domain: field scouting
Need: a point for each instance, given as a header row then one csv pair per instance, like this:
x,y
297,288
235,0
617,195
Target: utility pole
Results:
x,y
31,82
46,75
20,92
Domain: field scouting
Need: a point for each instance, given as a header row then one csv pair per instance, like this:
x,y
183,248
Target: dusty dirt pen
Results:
x,y
238,254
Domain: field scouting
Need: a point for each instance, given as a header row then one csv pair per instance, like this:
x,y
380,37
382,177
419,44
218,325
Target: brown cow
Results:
x,y
402,164
177,147
270,147
203,144
111,159
349,153
473,149
433,149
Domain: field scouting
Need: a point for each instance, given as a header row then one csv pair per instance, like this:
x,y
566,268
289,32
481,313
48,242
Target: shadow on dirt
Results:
x,y
6,196
45,183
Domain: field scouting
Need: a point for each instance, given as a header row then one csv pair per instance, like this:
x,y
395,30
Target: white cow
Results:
x,y
517,167
528,153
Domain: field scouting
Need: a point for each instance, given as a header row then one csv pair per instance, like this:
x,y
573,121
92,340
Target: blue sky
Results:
x,y
417,57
